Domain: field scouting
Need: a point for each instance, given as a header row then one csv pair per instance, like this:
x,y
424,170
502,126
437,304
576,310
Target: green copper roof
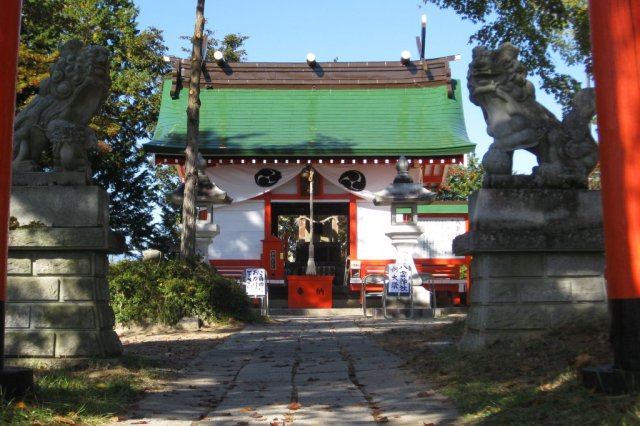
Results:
x,y
444,208
305,122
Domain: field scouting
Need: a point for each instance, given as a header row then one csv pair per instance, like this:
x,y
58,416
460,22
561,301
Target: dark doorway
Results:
x,y
290,222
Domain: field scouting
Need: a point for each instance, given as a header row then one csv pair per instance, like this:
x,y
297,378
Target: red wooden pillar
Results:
x,y
13,381
353,228
615,29
9,39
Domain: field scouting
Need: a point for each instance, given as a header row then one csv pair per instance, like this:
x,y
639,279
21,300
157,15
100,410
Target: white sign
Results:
x,y
399,280
255,282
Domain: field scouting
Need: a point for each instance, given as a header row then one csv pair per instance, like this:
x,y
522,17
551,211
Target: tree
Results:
x,y
167,237
132,108
188,240
462,181
231,46
539,28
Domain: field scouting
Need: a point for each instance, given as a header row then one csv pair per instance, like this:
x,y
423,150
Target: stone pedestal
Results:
x,y
404,237
538,262
57,292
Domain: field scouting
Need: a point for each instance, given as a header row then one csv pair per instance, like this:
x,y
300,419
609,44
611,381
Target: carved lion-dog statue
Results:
x,y
565,150
58,117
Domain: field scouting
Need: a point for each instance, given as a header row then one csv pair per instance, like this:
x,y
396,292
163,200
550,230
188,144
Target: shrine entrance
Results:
x,y
290,222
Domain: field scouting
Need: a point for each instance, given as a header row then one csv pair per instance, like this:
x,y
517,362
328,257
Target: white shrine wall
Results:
x,y
241,231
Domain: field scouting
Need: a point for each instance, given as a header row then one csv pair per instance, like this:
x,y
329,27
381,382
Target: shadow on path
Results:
x,y
298,371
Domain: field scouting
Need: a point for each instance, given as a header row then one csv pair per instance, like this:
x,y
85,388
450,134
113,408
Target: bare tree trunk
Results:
x,y
188,241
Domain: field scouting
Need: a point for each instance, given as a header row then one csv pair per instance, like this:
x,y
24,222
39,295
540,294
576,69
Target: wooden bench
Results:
x,y
370,285
437,277
443,276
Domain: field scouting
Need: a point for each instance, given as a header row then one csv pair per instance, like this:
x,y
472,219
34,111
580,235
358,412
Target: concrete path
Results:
x,y
299,371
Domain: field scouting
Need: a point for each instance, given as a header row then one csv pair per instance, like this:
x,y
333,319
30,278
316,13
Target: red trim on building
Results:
x,y
267,217
353,228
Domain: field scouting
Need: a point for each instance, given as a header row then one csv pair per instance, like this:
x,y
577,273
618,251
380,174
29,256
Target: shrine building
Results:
x,y
264,126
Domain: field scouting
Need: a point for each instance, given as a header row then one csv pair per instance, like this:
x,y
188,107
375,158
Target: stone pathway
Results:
x,y
298,371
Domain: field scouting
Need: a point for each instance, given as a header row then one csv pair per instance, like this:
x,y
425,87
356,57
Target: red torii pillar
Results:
x,y
9,40
615,34
14,381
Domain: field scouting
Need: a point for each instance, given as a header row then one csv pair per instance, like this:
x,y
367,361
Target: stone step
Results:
x,y
377,313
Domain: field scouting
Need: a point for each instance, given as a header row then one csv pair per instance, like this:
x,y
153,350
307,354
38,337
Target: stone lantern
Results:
x,y
207,194
404,196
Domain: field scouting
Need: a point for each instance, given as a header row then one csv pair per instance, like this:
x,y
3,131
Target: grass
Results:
x,y
88,395
509,383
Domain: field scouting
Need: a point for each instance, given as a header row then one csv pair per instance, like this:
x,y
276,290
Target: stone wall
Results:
x,y
538,262
57,293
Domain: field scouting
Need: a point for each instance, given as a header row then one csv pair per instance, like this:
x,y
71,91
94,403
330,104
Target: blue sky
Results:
x,y
350,30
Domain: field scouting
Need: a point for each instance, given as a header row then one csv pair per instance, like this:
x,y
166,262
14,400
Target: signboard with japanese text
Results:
x,y
399,280
354,271
255,282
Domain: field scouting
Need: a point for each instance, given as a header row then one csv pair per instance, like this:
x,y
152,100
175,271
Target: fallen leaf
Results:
x,y
64,420
294,406
247,409
425,394
583,360
21,405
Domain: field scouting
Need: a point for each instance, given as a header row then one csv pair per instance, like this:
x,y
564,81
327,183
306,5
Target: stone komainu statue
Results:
x,y
566,151
77,85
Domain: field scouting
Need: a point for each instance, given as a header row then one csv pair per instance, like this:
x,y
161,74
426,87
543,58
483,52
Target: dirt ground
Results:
x,y
172,346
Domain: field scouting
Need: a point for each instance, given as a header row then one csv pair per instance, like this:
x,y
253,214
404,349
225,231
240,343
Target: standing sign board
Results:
x,y
399,280
399,284
255,283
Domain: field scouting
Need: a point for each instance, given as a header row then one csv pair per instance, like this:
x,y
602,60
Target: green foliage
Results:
x,y
462,181
164,291
539,28
231,46
167,240
14,223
